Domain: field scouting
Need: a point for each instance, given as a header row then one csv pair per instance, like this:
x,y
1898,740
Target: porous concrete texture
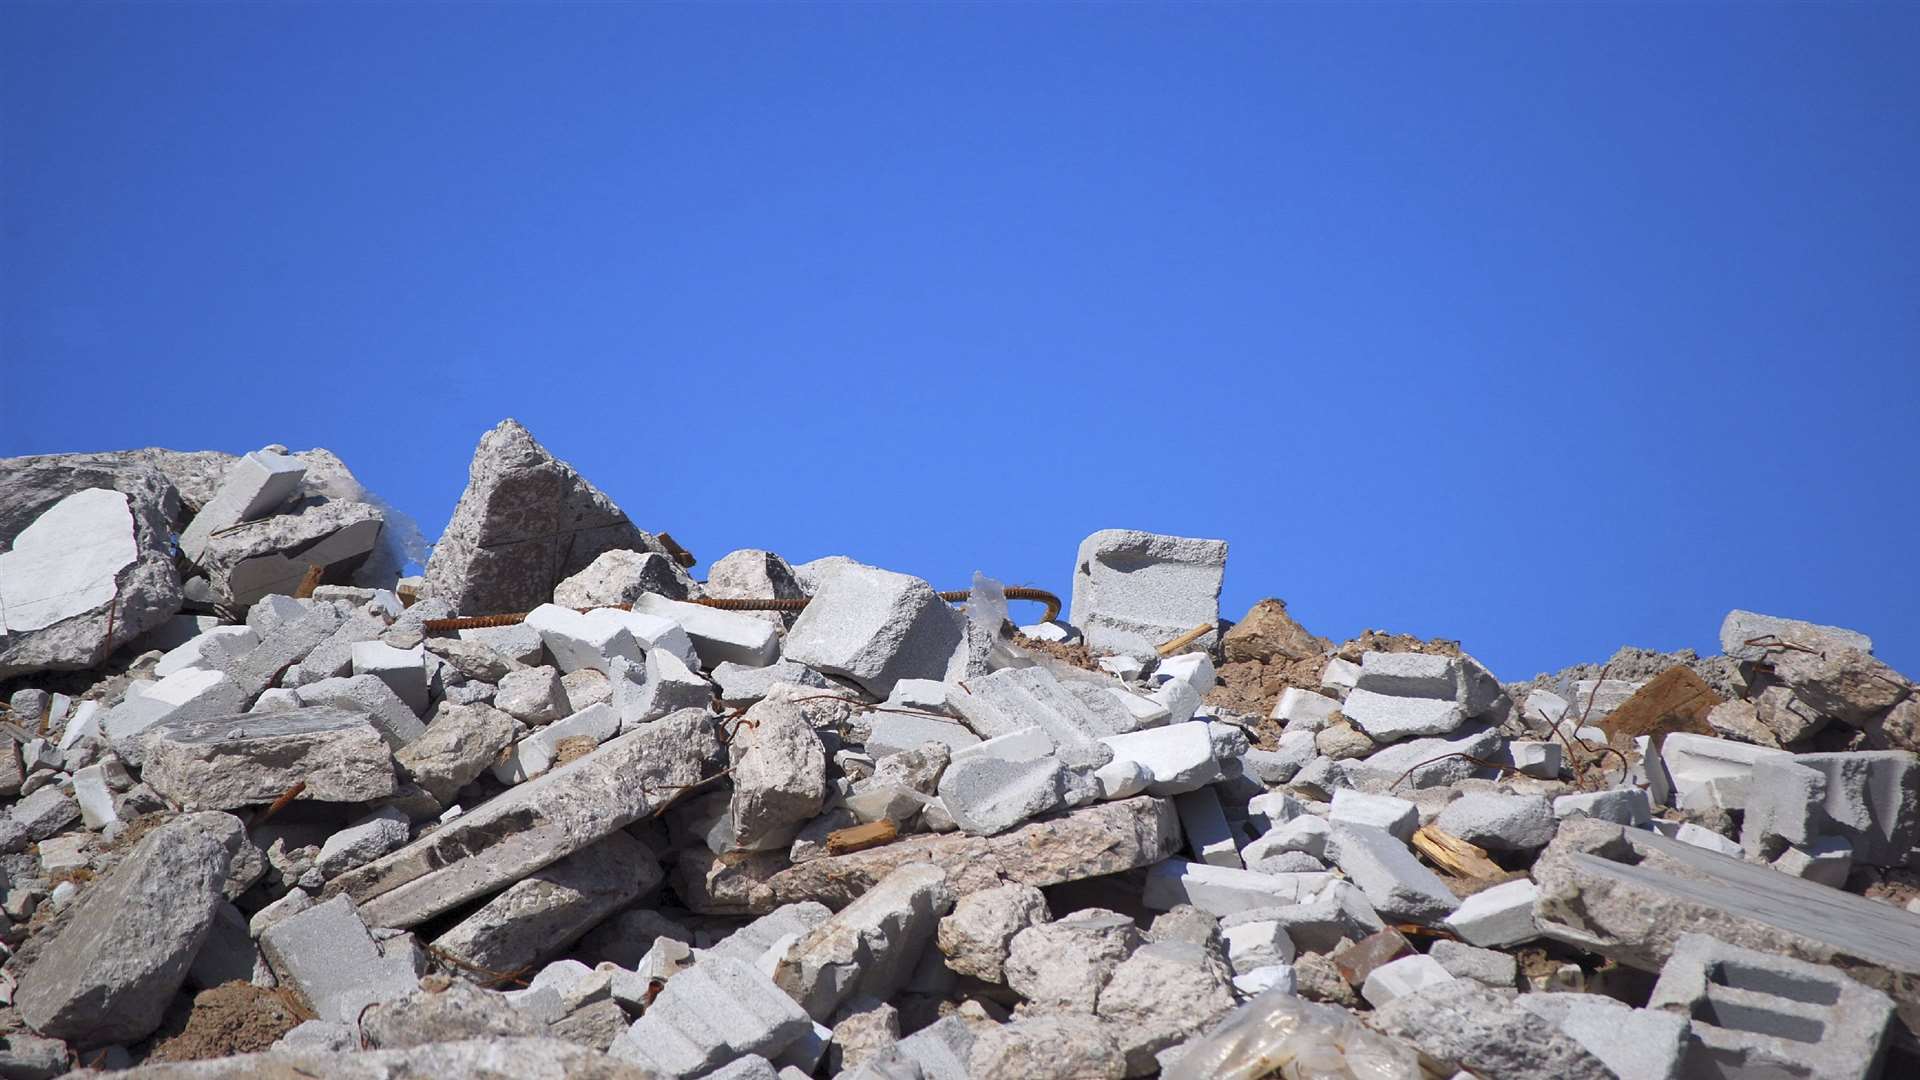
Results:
x,y
1133,591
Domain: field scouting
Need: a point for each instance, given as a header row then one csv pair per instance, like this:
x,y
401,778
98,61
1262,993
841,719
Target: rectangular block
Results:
x,y
1221,890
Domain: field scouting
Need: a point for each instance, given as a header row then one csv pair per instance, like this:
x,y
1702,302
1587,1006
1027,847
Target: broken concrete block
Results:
x,y
1708,772
460,743
1396,816
1627,806
713,1012
1741,627
461,1011
741,686
1487,967
1062,966
1209,838
1256,944
403,670
1105,838
261,666
578,640
1389,719
1826,860
621,577
1757,1013
272,555
987,795
1395,882
326,956
1016,698
187,694
1631,1042
1497,917
1846,684
1398,978
1221,890
779,775
1179,757
393,718
536,753
88,568
1047,1048
535,823
94,797
893,733
1499,822
1133,591
525,523
975,938
1340,675
1872,800
534,695
1415,675
1193,668
758,575
643,693
720,636
870,946
1541,760
110,972
1163,994
361,844
544,913
227,762
1304,709
188,654
1465,1025
1422,763
253,486
1305,834
1785,805
1630,893
39,815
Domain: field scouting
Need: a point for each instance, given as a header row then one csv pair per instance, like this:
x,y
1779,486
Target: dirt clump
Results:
x,y
232,1018
1076,654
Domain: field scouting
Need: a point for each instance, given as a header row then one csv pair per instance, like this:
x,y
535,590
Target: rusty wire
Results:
x,y
731,603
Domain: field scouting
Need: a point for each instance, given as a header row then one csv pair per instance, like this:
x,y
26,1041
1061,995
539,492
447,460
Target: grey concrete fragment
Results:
x,y
975,938
532,694
1488,967
38,816
227,762
1133,590
1466,1025
787,923
109,973
717,636
894,732
227,954
1179,757
1395,882
542,914
452,752
876,627
1632,1042
1434,762
987,795
1388,719
657,687
1062,966
362,843
1740,627
535,823
526,522
334,656
520,1058
392,718
88,563
869,947
621,576
758,575
1165,993
1012,699
741,685
779,774
1872,801
1048,1048
1756,1013
1499,822
256,668
713,1012
1106,838
272,554
403,670
1629,894
326,955
1498,917
1223,890
461,1011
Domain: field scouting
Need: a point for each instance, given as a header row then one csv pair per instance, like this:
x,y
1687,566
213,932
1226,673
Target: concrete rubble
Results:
x,y
635,834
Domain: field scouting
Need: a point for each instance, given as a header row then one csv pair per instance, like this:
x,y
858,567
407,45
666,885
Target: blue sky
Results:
x,y
1548,328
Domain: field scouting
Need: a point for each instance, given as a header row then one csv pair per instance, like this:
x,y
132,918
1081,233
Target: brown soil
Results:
x,y
1250,687
1077,655
233,1018
1382,641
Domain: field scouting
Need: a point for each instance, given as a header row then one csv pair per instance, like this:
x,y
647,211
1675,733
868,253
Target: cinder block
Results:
x,y
1758,1014
1133,591
1708,772
718,1010
1873,800
1624,806
1419,675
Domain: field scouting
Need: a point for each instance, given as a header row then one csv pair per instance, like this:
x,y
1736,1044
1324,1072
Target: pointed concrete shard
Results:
x,y
86,559
526,522
253,559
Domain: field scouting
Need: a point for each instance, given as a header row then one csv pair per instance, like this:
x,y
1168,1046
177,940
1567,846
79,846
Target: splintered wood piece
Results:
x,y
861,837
1454,855
1186,639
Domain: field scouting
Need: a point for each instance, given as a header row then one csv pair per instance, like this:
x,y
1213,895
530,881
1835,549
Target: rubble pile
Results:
x,y
558,808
